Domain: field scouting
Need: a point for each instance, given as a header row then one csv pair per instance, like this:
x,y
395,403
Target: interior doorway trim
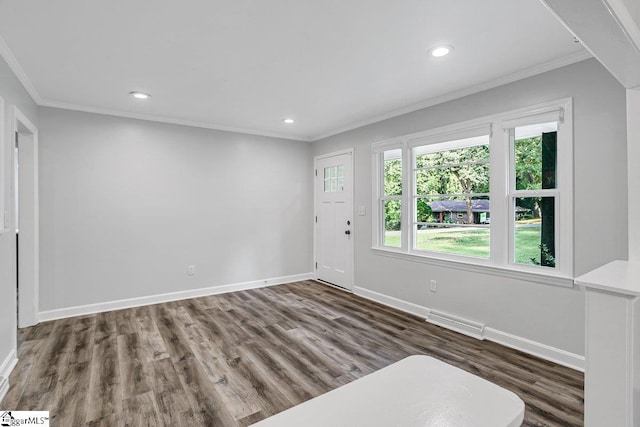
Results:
x,y
28,250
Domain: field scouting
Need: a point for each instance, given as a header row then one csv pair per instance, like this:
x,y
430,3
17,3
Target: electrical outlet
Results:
x,y
433,287
191,270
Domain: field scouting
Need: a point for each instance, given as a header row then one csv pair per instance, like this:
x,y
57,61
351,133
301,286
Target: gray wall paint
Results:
x,y
126,205
633,6
548,314
14,94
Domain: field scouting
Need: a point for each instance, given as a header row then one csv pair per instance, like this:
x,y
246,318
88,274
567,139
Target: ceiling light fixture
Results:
x,y
440,51
140,95
288,121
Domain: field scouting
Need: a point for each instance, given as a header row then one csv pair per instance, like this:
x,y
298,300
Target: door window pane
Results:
x,y
334,178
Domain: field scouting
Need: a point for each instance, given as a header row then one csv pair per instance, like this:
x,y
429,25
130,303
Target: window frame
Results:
x,y
562,193
379,198
501,261
440,144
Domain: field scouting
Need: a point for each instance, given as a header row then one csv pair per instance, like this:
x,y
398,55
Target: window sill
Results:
x,y
479,267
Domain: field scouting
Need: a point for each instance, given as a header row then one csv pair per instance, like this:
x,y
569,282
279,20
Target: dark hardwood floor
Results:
x,y
236,358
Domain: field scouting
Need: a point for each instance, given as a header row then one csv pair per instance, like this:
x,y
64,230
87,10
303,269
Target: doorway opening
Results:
x,y
26,226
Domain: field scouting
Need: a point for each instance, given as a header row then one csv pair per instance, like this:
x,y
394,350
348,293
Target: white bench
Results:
x,y
416,391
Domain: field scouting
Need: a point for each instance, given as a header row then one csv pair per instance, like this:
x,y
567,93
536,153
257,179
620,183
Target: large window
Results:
x,y
451,197
495,192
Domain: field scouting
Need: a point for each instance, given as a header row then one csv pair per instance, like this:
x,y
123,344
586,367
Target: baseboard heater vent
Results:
x,y
4,385
458,324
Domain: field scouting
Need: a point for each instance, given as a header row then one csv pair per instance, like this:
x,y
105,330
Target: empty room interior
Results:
x,y
320,213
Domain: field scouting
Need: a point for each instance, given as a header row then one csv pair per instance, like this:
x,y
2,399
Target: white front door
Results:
x,y
334,219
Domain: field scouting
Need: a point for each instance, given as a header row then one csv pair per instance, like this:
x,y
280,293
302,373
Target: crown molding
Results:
x,y
169,120
17,69
529,72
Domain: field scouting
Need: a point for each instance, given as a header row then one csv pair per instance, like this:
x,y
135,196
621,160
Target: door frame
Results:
x,y
4,210
29,263
350,152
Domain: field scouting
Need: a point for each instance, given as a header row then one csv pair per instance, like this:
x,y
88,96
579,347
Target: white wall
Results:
x,y
14,94
633,7
550,315
126,205
633,154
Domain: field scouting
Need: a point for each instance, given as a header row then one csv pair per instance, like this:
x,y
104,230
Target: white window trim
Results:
x,y
456,132
563,193
499,263
478,267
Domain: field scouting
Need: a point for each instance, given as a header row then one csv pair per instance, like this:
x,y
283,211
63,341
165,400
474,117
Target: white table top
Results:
x,y
416,391
622,277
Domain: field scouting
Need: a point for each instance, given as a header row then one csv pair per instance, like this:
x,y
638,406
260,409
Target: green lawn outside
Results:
x,y
473,242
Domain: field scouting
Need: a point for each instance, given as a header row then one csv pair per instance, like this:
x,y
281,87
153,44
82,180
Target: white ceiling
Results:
x,y
246,64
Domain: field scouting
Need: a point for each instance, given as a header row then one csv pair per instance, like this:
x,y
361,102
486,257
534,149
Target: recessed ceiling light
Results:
x,y
288,121
140,95
440,51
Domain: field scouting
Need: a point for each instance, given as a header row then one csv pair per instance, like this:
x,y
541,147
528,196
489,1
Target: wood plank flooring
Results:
x,y
234,359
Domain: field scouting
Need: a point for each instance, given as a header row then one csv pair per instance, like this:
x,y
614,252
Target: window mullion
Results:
x,y
499,190
547,192
407,201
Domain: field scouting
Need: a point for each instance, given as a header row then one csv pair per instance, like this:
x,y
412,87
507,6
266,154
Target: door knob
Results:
x,y
347,232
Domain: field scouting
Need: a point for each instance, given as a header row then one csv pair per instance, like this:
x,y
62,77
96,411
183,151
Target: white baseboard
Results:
x,y
5,371
543,351
407,307
82,310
